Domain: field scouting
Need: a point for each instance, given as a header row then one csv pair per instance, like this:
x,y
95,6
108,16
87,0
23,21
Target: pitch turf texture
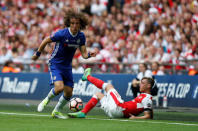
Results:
x,y
25,118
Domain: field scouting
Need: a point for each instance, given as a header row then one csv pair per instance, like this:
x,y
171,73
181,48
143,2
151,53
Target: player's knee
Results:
x,y
68,93
98,95
57,91
58,88
106,85
109,87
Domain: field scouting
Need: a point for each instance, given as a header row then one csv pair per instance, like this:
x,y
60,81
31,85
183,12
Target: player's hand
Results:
x,y
135,83
93,54
131,117
35,57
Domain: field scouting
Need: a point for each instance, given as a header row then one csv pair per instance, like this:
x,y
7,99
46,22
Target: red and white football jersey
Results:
x,y
137,105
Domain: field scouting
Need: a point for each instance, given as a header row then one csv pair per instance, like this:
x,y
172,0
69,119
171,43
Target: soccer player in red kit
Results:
x,y
112,103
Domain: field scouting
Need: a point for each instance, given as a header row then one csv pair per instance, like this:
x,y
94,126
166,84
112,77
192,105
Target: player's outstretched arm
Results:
x,y
85,54
147,115
135,82
41,48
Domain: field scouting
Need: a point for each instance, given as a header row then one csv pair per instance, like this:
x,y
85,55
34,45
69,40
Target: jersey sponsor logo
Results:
x,y
72,45
66,40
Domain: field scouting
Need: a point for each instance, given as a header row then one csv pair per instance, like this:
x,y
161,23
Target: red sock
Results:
x,y
91,104
97,82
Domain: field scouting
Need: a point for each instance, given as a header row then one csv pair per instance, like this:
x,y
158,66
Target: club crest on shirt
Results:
x,y
149,105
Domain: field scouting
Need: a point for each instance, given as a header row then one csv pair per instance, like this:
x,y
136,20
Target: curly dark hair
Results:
x,y
77,15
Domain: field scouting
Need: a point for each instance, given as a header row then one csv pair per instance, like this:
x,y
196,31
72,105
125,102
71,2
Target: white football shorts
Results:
x,y
108,104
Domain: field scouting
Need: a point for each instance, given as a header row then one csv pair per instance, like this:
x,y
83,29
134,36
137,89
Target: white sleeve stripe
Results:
x,y
55,51
147,102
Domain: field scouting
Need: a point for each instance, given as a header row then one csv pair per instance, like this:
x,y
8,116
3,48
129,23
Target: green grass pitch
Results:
x,y
25,118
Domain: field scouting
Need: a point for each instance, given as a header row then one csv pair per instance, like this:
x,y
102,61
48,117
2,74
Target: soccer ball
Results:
x,y
76,104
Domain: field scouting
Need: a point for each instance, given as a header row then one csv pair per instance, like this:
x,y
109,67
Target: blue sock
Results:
x,y
66,98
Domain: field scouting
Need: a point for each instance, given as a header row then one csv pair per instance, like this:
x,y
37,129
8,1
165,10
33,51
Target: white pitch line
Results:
x,y
153,122
22,114
125,120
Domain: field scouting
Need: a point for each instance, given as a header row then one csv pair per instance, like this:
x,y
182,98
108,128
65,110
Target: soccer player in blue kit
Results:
x,y
67,41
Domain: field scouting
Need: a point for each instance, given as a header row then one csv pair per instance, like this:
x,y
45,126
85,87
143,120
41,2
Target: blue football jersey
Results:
x,y
65,48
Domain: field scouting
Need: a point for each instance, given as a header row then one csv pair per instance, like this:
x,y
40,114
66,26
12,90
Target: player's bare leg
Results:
x,y
107,87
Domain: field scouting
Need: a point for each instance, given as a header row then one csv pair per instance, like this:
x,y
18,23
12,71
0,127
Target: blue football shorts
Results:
x,y
59,73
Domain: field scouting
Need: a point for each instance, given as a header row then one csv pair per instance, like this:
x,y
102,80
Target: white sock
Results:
x,y
51,94
61,103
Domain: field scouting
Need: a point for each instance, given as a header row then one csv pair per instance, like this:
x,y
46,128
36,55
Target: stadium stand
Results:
x,y
124,33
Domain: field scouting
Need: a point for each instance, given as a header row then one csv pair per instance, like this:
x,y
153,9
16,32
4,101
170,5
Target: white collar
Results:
x,y
147,94
71,33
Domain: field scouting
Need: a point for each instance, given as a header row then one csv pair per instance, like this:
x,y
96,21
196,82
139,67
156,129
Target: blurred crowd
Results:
x,y
122,31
